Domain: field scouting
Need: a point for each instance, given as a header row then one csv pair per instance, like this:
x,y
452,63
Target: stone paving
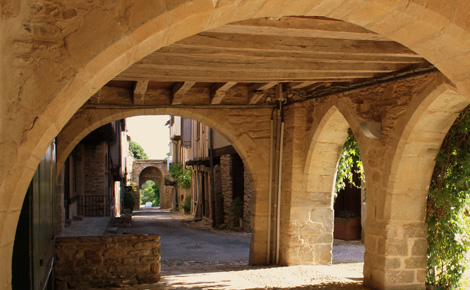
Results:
x,y
87,226
207,272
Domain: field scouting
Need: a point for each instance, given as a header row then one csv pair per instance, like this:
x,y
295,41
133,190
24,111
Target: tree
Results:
x,y
137,151
150,193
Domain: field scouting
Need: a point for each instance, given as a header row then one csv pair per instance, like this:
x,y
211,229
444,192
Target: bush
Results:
x,y
129,197
187,204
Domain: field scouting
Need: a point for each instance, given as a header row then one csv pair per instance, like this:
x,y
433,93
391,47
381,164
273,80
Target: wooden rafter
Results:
x,y
218,92
178,91
256,91
139,92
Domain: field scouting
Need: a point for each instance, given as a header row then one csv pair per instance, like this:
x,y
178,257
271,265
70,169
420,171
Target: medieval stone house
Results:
x,y
220,189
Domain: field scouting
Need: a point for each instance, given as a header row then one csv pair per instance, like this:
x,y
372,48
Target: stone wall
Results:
x,y
87,262
227,186
219,198
95,169
247,202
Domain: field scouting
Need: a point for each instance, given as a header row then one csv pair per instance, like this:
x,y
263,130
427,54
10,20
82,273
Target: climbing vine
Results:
x,y
349,163
182,175
448,208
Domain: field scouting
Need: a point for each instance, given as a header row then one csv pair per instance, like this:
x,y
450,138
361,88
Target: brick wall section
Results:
x,y
95,169
87,262
227,187
247,202
219,198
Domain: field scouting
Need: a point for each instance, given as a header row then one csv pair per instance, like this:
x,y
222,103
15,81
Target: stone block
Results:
x,y
420,247
399,277
415,262
396,247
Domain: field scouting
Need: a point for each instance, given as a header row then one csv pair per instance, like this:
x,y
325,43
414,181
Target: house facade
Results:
x,y
220,187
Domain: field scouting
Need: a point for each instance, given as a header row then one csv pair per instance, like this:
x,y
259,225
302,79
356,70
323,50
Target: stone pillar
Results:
x,y
307,208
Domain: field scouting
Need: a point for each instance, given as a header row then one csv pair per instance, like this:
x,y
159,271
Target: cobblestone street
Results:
x,y
196,257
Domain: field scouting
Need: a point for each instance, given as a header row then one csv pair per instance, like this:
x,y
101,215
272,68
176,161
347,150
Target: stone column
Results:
x,y
307,208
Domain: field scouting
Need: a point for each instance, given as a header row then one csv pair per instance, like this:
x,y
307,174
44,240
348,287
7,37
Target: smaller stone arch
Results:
x,y
155,170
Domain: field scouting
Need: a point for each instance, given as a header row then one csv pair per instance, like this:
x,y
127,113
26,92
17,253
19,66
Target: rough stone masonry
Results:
x,y
87,262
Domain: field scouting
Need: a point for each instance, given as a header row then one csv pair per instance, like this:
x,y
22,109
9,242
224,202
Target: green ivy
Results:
x,y
448,209
181,175
349,162
186,206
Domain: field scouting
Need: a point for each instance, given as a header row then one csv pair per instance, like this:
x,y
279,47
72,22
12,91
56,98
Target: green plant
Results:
x,y
349,162
448,208
150,193
186,206
182,175
129,196
137,151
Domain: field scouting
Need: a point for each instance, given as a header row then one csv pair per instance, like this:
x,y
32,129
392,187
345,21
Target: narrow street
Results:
x,y
194,258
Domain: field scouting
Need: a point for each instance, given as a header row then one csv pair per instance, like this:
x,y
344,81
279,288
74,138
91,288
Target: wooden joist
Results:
x,y
256,91
139,92
219,90
178,91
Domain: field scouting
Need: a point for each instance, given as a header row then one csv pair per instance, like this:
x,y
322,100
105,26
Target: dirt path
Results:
x,y
196,257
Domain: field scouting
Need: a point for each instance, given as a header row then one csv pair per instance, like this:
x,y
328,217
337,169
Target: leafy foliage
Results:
x,y
349,162
448,208
186,206
137,151
129,196
181,175
150,193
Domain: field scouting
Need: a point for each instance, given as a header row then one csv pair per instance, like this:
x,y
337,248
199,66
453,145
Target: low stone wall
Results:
x,y
87,262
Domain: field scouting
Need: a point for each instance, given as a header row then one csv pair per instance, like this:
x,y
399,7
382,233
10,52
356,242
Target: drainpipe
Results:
x,y
279,155
271,153
211,161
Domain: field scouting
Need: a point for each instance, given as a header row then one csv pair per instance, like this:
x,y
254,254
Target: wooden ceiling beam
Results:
x,y
314,29
178,91
139,92
301,85
259,65
204,75
269,43
257,91
304,23
251,55
218,92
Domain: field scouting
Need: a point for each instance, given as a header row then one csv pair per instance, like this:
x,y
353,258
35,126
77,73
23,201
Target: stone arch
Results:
x,y
435,30
311,218
396,235
152,173
154,170
248,145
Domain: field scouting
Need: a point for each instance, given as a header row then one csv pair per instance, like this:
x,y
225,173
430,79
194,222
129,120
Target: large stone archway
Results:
x,y
58,63
155,170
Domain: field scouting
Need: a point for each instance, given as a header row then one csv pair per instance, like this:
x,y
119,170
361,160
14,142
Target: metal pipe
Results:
x,y
118,106
271,148
279,192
